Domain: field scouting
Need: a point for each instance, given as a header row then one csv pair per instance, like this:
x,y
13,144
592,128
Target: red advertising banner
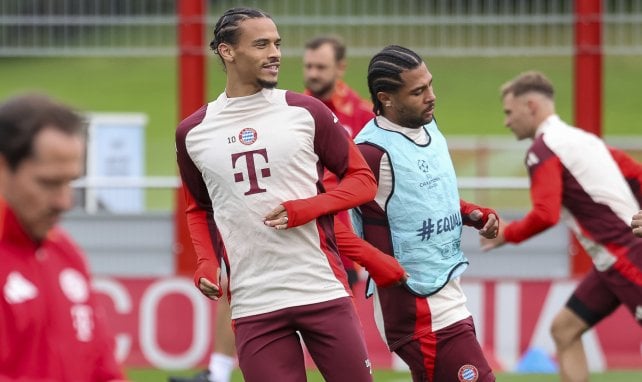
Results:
x,y
166,323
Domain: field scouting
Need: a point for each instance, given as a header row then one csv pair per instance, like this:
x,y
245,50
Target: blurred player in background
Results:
x,y
599,189
251,162
417,217
324,65
50,326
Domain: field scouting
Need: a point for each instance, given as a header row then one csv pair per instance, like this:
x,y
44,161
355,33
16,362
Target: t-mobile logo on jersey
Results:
x,y
255,188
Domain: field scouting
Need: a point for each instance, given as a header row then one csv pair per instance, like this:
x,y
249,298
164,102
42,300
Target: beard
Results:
x,y
265,84
321,89
413,121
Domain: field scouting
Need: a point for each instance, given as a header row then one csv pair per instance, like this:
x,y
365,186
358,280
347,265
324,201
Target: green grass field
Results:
x,y
468,104
390,376
467,91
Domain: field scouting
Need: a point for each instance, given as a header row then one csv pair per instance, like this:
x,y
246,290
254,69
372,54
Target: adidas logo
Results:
x,y
531,159
18,289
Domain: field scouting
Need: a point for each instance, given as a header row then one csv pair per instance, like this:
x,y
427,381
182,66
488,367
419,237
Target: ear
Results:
x,y
226,52
532,105
384,98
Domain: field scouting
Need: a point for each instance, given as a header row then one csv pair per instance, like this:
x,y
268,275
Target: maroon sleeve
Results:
x,y
339,155
199,212
546,195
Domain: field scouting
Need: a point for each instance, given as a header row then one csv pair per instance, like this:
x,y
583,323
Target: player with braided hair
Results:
x,y
417,217
252,164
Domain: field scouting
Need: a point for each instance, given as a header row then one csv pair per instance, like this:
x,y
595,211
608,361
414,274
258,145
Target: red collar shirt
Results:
x,y
50,329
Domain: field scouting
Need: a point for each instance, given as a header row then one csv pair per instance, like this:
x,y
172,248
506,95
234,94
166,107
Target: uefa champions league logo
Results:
x,y
423,166
430,181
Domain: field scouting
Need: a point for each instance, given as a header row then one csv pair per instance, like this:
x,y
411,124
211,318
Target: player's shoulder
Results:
x,y
59,243
372,152
564,139
197,117
542,149
314,106
192,120
360,102
299,99
60,239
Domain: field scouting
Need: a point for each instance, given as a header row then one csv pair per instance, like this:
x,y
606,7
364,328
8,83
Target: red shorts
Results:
x,y
600,293
449,354
269,347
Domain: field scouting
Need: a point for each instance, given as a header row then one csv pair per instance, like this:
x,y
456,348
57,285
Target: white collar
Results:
x,y
416,135
551,120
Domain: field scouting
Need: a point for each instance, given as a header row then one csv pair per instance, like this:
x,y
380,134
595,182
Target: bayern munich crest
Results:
x,y
248,136
468,373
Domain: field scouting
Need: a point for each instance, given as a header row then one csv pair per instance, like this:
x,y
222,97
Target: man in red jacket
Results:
x,y
50,326
324,65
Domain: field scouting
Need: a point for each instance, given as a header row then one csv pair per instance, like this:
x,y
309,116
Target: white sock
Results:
x,y
221,367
